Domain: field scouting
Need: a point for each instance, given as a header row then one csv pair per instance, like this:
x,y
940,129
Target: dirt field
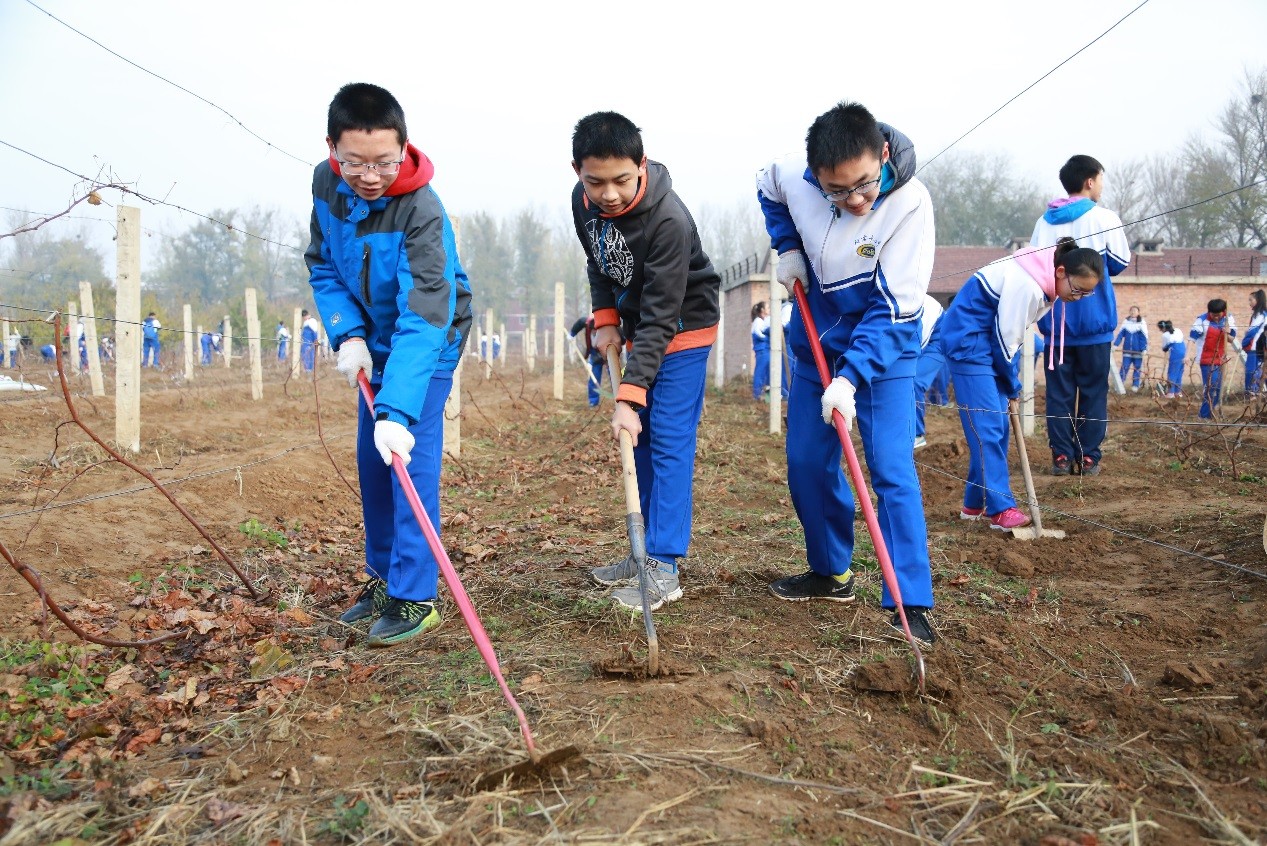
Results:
x,y
1108,688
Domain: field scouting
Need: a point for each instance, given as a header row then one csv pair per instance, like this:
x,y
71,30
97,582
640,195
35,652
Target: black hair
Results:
x,y
606,135
756,309
303,312
1216,306
367,107
843,133
1077,171
1260,301
1165,326
1077,261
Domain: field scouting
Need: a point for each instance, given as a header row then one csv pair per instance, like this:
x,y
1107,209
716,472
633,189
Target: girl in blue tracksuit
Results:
x,y
761,349
1176,349
1257,320
1133,339
982,334
931,366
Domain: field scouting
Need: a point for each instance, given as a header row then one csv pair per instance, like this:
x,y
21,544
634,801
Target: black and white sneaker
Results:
x,y
811,585
917,619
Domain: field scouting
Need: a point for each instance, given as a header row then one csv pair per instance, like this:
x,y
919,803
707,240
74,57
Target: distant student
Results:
x,y
982,333
81,332
1257,321
1212,331
1176,349
1133,339
931,366
1077,379
583,336
648,272
11,345
308,336
760,350
283,340
48,353
149,340
497,346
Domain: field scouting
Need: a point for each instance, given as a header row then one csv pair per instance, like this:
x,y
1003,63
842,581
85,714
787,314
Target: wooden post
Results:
x,y
253,345
452,443
1027,383
90,339
187,313
127,342
228,342
72,341
774,307
531,343
297,327
719,349
560,331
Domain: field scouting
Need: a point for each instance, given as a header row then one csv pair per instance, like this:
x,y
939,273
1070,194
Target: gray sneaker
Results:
x,y
662,588
621,574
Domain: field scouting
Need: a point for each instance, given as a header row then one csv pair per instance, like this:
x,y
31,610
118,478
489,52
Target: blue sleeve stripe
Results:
x,y
778,222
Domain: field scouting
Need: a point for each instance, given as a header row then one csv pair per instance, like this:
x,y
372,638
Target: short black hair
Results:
x,y
841,134
1216,306
1076,172
606,135
1165,326
1077,261
367,107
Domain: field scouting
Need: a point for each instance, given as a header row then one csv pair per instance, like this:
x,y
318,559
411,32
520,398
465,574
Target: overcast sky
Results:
x,y
491,90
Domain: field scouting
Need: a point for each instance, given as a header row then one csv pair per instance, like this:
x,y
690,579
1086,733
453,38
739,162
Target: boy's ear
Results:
x,y
330,144
577,168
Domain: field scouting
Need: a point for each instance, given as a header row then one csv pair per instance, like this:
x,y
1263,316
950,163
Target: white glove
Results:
x,y
354,356
839,397
792,268
390,437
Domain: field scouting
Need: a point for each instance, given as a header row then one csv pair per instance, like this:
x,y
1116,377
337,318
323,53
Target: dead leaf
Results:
x,y
233,774
220,812
147,788
119,678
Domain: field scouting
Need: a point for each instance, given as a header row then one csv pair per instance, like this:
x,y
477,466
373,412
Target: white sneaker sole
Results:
x,y
654,605
963,516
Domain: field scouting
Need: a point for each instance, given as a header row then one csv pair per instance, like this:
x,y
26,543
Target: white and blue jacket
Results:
x,y
1256,323
869,274
387,270
1132,337
984,327
1091,319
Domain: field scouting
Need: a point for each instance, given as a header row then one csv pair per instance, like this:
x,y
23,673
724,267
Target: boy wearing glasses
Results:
x,y
853,225
648,273
1077,369
396,305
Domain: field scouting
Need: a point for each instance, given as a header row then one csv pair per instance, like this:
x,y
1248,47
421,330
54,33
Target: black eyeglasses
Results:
x,y
361,168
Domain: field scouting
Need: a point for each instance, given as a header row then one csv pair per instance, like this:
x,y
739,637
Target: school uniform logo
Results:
x,y
610,252
866,250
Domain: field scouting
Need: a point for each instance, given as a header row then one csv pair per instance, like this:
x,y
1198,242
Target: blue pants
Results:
x,y
308,355
823,500
931,365
395,547
281,349
596,365
760,372
13,359
1131,361
1253,372
665,454
983,414
1211,389
1174,375
1082,381
149,352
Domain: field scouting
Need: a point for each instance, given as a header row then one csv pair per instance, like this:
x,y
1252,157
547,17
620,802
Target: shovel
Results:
x,y
633,519
1035,530
537,761
859,482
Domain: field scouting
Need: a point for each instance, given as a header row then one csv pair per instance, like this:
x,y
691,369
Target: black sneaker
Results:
x,y
370,601
403,619
1060,465
917,619
810,585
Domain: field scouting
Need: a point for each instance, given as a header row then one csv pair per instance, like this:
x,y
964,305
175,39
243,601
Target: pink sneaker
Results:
x,y
1006,521
966,513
